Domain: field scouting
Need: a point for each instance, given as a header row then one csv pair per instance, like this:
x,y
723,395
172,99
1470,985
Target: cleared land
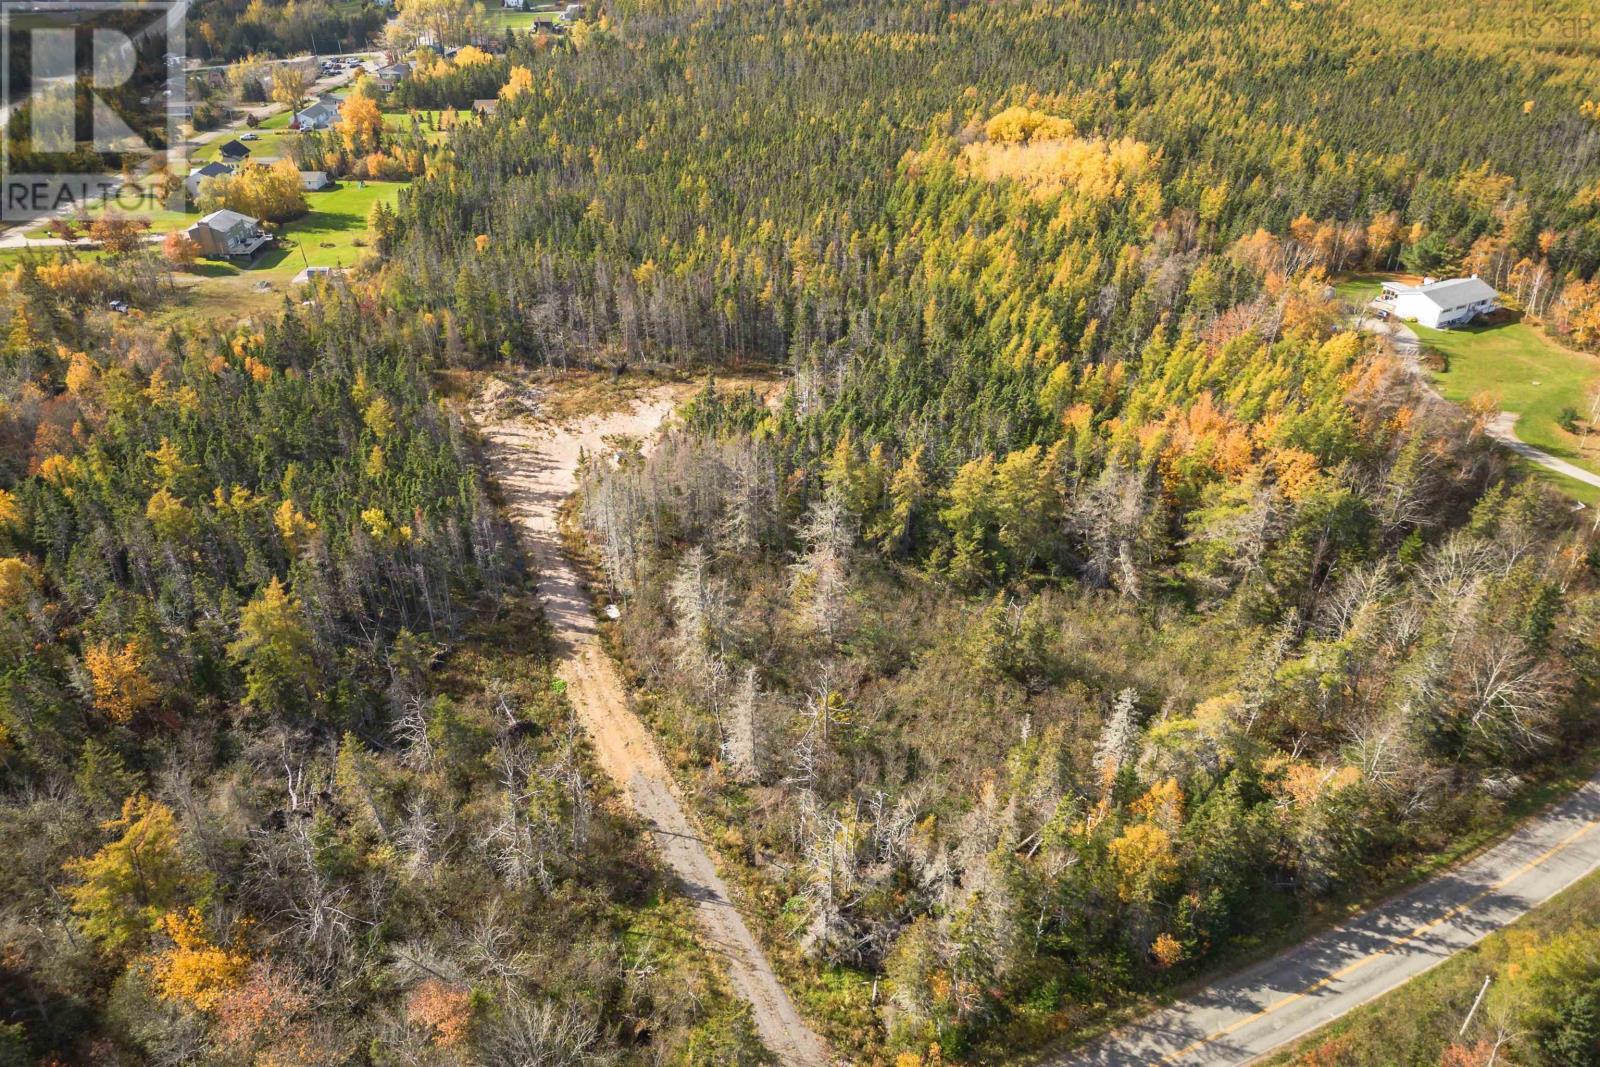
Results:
x,y
326,236
331,234
536,466
1523,370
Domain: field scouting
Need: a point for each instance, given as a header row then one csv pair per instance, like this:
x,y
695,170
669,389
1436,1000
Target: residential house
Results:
x,y
191,184
228,234
1442,304
234,152
391,75
320,115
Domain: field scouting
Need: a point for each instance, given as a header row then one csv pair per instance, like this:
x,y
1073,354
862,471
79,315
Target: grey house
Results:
x,y
228,234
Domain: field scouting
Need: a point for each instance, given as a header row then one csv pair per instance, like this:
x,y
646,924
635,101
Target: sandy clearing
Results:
x,y
536,466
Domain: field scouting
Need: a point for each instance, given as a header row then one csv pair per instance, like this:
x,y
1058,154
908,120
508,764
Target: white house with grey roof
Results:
x,y
319,115
1443,304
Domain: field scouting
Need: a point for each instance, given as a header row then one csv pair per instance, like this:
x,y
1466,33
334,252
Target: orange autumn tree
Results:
x,y
195,970
360,124
180,250
122,689
445,1012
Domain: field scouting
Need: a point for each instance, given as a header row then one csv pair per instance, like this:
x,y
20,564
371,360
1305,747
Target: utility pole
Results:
x,y
1474,1009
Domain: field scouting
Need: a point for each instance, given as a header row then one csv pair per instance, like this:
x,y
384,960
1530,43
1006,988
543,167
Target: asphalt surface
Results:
x,y
1261,1009
1503,429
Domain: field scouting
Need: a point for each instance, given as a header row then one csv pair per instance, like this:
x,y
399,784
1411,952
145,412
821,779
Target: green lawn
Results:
x,y
1359,289
136,205
326,236
427,121
273,132
1526,373
269,144
522,20
1522,369
1411,1026
323,237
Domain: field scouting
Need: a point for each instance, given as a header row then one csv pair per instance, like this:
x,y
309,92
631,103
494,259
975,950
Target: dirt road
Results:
x,y
535,465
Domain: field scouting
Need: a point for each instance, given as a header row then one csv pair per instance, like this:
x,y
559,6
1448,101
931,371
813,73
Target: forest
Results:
x,y
1091,608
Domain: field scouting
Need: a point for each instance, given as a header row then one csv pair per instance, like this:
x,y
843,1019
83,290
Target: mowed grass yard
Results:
x,y
326,236
1525,372
1513,362
522,21
331,234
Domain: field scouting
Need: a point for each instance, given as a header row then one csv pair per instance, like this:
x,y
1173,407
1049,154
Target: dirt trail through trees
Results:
x,y
535,465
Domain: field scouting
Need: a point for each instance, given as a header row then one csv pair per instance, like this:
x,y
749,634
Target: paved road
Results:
x,y
1503,429
1242,1017
536,467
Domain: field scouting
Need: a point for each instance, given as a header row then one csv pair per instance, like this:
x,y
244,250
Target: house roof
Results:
x,y
235,148
223,219
1452,292
211,170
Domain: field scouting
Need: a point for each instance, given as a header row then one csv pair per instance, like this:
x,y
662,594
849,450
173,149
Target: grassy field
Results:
x,y
327,236
1358,289
1411,1026
331,234
523,20
1526,373
1515,363
427,121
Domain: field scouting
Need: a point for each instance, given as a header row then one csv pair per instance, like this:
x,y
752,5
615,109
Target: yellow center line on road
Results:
x,y
1396,943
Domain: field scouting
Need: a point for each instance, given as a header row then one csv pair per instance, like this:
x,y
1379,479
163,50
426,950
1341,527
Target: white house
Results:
x,y
315,181
1442,304
318,116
